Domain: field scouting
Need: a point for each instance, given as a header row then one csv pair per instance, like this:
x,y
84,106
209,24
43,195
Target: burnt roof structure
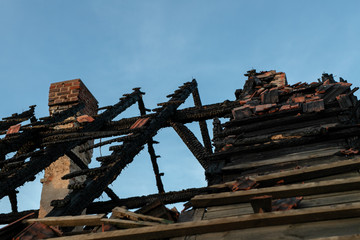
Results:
x,y
285,165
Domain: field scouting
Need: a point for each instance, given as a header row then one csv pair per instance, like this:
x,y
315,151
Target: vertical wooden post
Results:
x,y
203,126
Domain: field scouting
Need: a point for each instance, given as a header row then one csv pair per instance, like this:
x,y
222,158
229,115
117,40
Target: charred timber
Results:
x,y
52,153
281,143
94,187
186,115
202,124
192,143
13,143
120,139
138,202
332,107
17,118
152,153
7,218
79,185
155,166
84,136
279,122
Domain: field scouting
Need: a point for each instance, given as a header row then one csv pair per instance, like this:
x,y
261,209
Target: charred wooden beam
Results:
x,y
79,200
155,166
281,143
88,172
166,198
13,201
17,118
131,203
13,143
119,139
331,107
23,157
52,153
152,153
186,115
84,136
6,218
292,119
203,126
192,143
111,194
77,160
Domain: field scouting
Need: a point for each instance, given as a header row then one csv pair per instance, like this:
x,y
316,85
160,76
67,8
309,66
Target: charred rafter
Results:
x,y
53,152
78,200
153,156
202,123
192,143
166,198
17,118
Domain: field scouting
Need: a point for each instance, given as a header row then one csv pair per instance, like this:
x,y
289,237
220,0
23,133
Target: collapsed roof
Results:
x,y
283,147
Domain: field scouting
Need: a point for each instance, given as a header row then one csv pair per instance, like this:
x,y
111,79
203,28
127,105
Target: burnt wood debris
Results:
x,y
273,134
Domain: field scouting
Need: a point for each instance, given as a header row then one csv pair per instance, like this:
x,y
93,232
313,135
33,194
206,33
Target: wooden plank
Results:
x,y
319,153
228,224
293,190
311,230
128,223
229,212
307,202
312,172
199,214
69,221
347,237
346,197
123,213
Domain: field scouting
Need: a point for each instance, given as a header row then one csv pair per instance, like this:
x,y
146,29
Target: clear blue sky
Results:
x,y
114,46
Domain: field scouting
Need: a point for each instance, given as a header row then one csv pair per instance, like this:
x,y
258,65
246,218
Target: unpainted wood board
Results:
x,y
229,212
292,190
69,221
330,200
334,194
351,174
342,211
227,207
311,172
239,158
346,237
128,223
318,153
322,230
321,200
121,213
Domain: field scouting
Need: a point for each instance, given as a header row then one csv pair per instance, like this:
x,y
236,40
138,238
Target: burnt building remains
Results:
x,y
283,163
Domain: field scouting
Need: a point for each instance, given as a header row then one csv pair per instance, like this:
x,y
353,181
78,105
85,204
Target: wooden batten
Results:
x,y
227,224
293,190
69,221
123,213
121,223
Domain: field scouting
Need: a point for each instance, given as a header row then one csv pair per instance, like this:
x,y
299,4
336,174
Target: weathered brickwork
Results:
x,y
63,95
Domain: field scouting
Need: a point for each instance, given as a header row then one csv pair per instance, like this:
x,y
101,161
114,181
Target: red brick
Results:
x,y
73,95
54,90
58,101
74,87
64,89
61,93
76,83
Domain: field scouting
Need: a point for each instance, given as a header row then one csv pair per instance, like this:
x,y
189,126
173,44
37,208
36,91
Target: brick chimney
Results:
x,y
63,95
